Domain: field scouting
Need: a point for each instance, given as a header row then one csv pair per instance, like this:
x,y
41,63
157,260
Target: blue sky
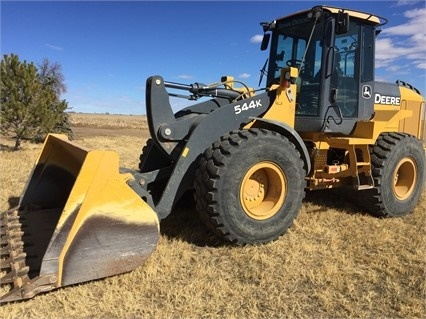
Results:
x,y
108,49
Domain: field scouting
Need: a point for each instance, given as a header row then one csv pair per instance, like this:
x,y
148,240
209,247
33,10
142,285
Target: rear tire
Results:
x,y
249,186
398,165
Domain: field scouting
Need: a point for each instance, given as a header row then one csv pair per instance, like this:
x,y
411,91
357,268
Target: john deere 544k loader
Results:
x,y
321,121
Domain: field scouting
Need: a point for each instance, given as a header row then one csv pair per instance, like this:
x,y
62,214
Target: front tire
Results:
x,y
152,157
398,162
249,186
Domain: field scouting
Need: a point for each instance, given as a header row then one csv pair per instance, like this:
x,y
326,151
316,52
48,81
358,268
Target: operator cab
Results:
x,y
333,49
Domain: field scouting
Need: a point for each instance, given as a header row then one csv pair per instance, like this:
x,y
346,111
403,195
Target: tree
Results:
x,y
30,103
51,75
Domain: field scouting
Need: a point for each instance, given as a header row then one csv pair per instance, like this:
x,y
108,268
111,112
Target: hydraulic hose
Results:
x,y
203,90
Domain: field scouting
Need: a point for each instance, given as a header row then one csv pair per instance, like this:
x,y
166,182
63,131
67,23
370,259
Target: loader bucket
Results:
x,y
77,221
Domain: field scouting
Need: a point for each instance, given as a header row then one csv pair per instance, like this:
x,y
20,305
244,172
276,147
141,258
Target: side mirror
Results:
x,y
265,41
342,25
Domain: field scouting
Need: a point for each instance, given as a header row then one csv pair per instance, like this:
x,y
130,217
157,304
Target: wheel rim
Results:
x,y
404,178
263,190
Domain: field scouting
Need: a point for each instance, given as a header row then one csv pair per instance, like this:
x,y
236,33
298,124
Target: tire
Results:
x,y
398,168
152,157
249,186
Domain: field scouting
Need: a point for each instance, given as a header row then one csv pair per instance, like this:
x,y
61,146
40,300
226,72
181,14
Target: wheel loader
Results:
x,y
319,120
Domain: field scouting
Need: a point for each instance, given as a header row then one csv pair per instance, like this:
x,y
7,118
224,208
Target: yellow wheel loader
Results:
x,y
320,121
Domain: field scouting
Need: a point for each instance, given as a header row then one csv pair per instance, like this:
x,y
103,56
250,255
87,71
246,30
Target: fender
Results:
x,y
291,134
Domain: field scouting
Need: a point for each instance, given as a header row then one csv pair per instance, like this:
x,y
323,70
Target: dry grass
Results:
x,y
108,121
335,262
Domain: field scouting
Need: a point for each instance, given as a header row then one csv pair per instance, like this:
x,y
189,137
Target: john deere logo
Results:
x,y
366,91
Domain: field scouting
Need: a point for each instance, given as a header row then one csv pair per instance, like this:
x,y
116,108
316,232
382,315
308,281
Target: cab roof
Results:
x,y
376,20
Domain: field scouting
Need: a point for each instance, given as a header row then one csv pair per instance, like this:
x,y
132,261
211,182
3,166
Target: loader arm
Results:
x,y
184,138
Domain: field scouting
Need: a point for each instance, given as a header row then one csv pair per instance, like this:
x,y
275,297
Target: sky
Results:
x,y
107,49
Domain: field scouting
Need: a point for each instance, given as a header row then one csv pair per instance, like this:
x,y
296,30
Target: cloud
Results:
x,y
413,26
404,41
185,76
421,65
53,47
244,76
256,38
406,2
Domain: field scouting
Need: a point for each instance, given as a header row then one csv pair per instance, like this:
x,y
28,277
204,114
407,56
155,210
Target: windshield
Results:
x,y
289,41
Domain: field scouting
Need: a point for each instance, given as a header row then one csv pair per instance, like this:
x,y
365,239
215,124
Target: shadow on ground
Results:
x,y
185,224
341,199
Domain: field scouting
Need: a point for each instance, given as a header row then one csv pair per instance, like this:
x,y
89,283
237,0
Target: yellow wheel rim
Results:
x,y
404,178
263,190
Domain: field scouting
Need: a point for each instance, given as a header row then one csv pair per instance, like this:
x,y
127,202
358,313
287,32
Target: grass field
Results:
x,y
335,262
